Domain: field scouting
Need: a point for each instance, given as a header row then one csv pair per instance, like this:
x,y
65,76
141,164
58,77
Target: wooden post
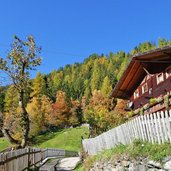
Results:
x,y
168,123
28,150
164,127
160,127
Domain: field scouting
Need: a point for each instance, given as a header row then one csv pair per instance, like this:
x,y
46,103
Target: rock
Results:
x,y
133,167
125,163
167,165
152,169
114,169
154,164
142,167
106,169
68,163
166,159
119,168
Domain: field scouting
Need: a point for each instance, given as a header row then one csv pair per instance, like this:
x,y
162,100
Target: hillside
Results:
x,y
72,95
68,139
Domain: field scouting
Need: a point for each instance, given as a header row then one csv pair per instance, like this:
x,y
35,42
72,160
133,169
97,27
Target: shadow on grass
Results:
x,y
37,140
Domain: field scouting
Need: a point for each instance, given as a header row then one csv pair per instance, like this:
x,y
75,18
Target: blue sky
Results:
x,y
71,30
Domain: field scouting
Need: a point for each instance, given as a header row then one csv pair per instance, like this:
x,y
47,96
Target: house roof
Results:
x,y
135,72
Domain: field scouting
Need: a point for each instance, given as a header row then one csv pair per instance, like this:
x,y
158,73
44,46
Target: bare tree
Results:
x,y
23,57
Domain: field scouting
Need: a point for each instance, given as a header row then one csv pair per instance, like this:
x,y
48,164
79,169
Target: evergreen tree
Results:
x,y
38,87
106,87
40,111
95,78
11,118
162,42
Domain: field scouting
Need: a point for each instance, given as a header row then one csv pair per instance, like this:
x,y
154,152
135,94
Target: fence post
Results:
x,y
28,149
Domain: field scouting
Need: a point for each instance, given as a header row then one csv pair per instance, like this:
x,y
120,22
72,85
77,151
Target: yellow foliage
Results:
x,y
39,110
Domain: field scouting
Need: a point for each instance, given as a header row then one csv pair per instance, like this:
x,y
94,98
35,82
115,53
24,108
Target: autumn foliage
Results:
x,y
70,95
61,111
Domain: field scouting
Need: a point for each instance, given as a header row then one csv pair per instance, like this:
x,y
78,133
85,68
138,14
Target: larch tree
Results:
x,y
11,119
36,116
38,87
123,66
162,42
106,88
61,111
23,57
94,84
39,107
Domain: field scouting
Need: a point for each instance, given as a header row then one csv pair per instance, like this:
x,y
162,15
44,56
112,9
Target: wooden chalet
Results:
x,y
146,82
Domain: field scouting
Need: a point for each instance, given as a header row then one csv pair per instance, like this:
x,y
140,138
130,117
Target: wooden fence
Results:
x,y
22,159
154,128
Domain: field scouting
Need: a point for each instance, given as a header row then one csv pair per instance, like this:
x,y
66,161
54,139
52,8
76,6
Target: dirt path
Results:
x,y
64,164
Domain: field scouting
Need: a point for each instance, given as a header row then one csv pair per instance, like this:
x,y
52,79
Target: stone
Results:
x,y
68,163
167,165
125,163
106,169
155,164
114,169
120,168
141,167
166,159
152,169
133,167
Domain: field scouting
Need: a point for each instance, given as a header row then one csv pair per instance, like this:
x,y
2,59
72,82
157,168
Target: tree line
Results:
x,y
68,96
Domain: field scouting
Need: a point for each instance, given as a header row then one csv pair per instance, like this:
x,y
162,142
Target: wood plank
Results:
x,y
153,128
138,128
147,128
168,125
150,128
160,127
157,128
141,128
164,127
134,130
128,132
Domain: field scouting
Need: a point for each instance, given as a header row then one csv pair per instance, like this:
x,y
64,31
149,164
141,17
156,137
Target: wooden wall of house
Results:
x,y
156,89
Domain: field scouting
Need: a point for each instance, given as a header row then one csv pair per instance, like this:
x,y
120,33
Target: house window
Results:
x,y
136,94
144,88
168,73
150,91
159,78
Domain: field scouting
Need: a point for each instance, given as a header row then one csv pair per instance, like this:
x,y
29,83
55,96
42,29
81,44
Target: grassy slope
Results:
x,y
135,150
4,144
68,139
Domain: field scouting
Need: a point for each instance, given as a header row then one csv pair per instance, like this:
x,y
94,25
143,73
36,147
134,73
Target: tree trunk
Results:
x,y
24,120
9,137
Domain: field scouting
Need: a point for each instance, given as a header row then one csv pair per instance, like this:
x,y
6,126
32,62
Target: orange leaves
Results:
x,y
61,110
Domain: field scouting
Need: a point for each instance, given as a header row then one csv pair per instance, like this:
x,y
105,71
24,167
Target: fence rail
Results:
x,y
22,159
154,128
